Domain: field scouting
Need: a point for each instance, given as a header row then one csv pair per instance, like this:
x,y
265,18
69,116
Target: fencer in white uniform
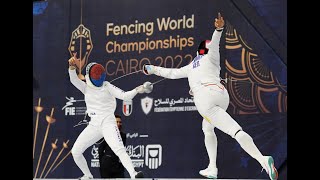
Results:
x,y
212,99
100,98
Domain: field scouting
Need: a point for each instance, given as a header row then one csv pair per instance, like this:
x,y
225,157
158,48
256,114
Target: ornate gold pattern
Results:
x,y
81,46
252,82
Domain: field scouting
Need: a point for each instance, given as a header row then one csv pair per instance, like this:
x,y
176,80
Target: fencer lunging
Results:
x,y
212,99
100,98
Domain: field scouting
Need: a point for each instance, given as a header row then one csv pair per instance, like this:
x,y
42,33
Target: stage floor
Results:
x,y
154,179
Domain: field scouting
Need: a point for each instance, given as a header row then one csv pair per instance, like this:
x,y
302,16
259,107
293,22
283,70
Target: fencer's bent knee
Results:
x,y
207,128
222,120
209,133
234,131
240,134
76,151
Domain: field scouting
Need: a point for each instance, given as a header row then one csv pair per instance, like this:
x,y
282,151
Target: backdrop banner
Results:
x,y
163,128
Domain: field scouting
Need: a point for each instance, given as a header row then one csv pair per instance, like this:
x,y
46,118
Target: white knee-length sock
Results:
x,y
247,144
211,143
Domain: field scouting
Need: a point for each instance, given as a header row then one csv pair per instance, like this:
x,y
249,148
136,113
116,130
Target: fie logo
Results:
x,y
70,109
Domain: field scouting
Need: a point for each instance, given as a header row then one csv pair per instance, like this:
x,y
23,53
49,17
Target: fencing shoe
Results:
x,y
211,173
139,175
85,177
268,165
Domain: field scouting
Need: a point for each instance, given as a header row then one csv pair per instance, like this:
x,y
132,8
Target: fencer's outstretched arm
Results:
x,y
214,45
120,94
75,80
170,73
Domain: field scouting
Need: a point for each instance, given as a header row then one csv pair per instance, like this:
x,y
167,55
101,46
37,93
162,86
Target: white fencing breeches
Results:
x,y
108,129
212,102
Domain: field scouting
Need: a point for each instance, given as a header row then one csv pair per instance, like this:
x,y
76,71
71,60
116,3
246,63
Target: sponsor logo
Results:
x,y
153,156
136,154
167,104
71,110
149,155
95,156
146,104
